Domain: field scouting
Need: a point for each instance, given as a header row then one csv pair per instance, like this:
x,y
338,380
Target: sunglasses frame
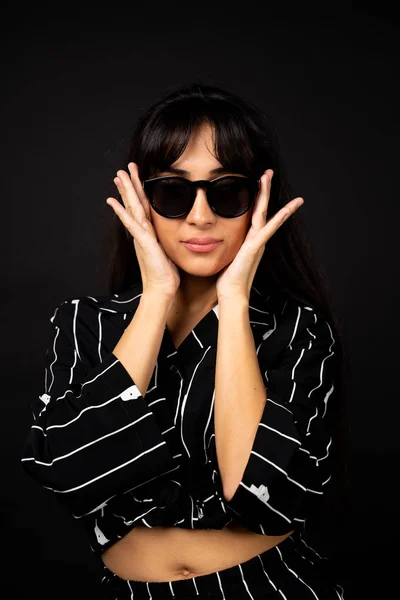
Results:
x,y
206,184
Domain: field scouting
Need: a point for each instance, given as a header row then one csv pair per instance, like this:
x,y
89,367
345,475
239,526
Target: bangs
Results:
x,y
166,134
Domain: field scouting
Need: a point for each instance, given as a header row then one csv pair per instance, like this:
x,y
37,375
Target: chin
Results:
x,y
200,270
198,265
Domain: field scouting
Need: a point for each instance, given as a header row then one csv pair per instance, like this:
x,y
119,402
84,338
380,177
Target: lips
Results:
x,y
201,247
201,241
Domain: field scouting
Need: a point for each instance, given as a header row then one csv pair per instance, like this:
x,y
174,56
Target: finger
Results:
x,y
284,213
259,217
133,226
129,196
273,224
137,184
289,209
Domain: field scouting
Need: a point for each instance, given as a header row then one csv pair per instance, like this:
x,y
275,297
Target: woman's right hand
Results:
x,y
159,273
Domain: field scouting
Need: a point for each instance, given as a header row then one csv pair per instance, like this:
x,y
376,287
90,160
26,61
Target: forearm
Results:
x,y
240,393
138,347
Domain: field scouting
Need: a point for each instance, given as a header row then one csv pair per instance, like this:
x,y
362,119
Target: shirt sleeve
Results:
x,y
93,434
289,464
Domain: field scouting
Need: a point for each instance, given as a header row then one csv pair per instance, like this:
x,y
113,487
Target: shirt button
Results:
x,y
173,368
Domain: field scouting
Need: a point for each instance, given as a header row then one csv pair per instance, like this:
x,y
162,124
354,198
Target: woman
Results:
x,y
191,418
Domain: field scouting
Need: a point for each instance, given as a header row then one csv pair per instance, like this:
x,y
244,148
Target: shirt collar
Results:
x,y
205,333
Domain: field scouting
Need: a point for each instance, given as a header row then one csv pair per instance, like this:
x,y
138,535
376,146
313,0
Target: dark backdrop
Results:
x,y
73,87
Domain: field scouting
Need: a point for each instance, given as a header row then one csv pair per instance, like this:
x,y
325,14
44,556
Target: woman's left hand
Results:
x,y
237,277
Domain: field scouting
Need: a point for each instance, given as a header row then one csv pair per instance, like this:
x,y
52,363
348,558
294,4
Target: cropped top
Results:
x,y
117,459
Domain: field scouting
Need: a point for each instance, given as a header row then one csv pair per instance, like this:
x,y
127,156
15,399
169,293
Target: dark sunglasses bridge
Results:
x,y
205,184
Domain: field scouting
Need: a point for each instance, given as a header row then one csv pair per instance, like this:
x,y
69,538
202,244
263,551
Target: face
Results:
x,y
198,161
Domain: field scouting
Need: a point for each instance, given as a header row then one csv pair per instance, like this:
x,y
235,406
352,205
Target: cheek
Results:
x,y
243,227
166,231
237,237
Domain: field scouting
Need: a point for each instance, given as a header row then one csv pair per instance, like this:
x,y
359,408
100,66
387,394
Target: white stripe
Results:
x,y
299,359
88,407
210,413
195,586
155,372
127,491
266,312
126,301
166,430
295,574
328,394
277,404
258,323
55,355
220,585
307,452
100,336
312,549
201,345
89,443
156,401
139,518
311,418
186,397
71,375
327,451
76,302
280,433
178,401
295,326
262,566
88,382
293,389
129,585
244,582
322,364
148,591
61,426
284,472
266,503
128,462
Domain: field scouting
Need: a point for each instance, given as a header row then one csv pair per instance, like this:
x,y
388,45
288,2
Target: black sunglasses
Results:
x,y
229,196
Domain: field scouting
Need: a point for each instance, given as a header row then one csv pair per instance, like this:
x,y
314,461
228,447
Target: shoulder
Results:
x,y
92,325
89,306
291,323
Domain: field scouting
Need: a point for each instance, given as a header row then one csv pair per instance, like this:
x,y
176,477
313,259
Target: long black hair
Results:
x,y
245,142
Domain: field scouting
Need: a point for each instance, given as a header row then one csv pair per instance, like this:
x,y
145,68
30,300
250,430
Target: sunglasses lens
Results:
x,y
171,197
231,196
228,197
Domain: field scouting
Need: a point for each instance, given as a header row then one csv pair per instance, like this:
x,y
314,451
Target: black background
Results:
x,y
74,83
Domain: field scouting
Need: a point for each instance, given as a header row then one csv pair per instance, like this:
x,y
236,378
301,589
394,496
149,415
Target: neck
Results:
x,y
197,293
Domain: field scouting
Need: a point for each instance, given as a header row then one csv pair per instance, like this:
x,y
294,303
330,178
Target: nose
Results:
x,y
201,212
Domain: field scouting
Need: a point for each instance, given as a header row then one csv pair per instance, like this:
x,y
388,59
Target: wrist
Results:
x,y
234,301
157,300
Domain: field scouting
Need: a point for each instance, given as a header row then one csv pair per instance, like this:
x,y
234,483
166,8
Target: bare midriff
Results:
x,y
172,553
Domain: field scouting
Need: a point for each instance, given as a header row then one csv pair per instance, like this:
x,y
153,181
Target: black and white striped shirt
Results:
x,y
117,459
